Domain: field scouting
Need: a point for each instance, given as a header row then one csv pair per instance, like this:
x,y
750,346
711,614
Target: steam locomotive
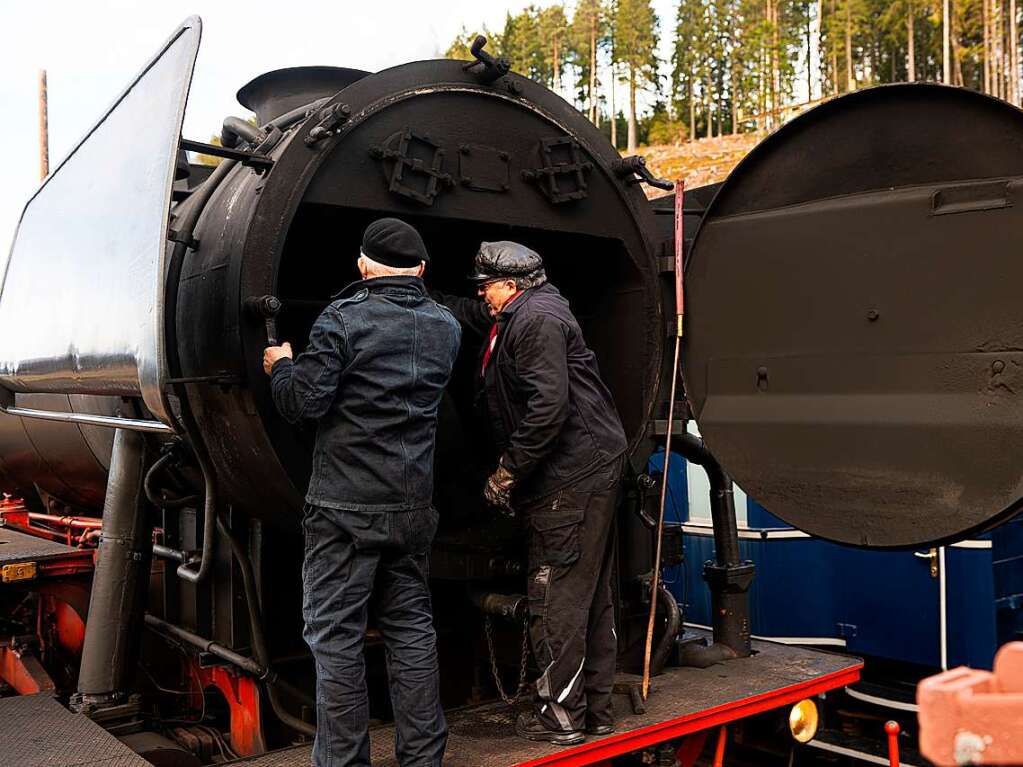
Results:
x,y
865,392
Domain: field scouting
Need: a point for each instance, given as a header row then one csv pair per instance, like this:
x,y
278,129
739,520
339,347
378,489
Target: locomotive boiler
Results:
x,y
141,290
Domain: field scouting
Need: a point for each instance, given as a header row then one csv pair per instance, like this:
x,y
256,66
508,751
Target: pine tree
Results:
x,y
686,60
522,46
636,45
588,36
553,30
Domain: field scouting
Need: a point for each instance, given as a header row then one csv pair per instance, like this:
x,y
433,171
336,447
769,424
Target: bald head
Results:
x,y
369,268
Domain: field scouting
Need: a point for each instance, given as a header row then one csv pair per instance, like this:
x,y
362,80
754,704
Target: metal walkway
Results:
x,y
27,557
36,731
682,701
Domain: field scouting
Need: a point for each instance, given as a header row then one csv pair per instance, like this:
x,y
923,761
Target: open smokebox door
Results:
x,y
854,333
464,162
81,309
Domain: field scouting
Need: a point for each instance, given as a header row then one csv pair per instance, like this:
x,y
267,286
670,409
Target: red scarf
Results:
x,y
492,340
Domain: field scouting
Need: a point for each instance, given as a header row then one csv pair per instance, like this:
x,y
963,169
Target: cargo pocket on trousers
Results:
x,y
554,537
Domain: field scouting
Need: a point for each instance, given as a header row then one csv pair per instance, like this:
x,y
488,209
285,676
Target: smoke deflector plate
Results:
x,y
81,310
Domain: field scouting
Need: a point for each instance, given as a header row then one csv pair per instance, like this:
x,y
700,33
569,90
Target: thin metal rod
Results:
x,y
660,525
248,665
176,555
80,522
679,230
113,422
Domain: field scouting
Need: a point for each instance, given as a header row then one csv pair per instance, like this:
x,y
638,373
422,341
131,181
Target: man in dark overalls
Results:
x,y
561,446
372,376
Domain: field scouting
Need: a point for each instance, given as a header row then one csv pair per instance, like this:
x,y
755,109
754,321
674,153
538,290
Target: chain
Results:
x,y
522,686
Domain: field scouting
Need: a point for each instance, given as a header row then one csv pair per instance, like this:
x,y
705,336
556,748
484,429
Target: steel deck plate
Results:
x,y
682,701
21,547
36,731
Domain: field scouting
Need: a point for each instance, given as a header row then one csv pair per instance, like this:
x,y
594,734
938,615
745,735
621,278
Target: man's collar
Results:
x,y
514,303
409,283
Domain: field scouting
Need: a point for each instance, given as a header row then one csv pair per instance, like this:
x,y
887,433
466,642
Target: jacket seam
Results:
x,y
319,376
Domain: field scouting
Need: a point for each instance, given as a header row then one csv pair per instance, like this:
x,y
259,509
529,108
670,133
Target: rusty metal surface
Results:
x,y
36,731
21,547
484,736
853,350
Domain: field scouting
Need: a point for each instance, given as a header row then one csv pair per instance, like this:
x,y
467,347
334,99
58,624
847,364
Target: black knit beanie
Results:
x,y
394,243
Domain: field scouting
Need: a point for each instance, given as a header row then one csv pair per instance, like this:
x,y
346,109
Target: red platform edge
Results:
x,y
597,751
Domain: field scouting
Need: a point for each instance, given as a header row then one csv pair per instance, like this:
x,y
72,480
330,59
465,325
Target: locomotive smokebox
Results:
x,y
162,330
463,161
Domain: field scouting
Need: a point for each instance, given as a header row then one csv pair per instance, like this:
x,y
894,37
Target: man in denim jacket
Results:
x,y
372,376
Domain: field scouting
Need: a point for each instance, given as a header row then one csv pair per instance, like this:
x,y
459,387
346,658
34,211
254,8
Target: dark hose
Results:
x,y
259,647
208,535
671,629
158,501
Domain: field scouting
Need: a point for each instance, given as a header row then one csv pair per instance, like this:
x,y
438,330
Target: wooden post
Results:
x,y
44,134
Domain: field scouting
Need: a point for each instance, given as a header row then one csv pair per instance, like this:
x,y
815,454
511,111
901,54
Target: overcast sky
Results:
x,y
91,50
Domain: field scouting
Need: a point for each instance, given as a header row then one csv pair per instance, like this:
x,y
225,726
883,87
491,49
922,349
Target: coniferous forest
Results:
x,y
748,65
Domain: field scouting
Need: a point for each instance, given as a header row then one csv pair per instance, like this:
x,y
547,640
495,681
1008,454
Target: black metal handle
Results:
x,y
633,166
266,308
493,68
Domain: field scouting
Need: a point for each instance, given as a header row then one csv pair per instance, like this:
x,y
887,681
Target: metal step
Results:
x,y
36,731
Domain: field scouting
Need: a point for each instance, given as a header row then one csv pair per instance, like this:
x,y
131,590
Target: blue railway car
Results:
x,y
908,613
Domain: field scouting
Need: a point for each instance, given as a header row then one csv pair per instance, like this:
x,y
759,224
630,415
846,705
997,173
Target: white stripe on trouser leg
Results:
x,y
543,689
571,684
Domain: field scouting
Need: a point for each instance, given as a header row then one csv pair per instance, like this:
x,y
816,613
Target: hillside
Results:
x,y
700,162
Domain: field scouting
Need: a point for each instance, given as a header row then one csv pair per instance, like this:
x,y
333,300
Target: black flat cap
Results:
x,y
496,260
391,242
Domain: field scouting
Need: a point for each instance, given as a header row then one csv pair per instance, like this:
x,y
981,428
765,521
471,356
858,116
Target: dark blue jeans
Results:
x,y
352,559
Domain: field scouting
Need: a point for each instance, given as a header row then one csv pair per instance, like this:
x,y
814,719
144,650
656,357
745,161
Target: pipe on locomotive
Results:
x,y
258,666
118,588
259,646
728,576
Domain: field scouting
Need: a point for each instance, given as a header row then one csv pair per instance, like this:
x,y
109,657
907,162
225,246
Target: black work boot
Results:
x,y
531,728
599,729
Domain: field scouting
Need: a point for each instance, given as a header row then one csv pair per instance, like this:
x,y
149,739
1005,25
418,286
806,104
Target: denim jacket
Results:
x,y
372,376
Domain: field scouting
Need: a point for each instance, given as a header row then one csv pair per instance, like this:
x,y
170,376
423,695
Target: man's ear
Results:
x,y
422,269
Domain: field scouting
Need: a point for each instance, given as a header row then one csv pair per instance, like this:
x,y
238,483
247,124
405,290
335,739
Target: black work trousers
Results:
x,y
571,616
355,559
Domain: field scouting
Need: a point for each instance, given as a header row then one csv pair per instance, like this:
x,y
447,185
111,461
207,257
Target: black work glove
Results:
x,y
498,491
